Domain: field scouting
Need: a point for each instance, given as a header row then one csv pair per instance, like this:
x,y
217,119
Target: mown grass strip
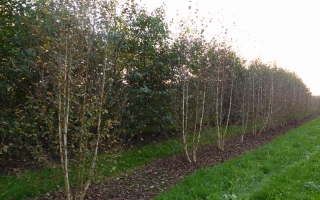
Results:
x,y
287,168
33,183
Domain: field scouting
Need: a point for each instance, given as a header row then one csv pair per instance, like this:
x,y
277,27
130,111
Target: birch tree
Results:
x,y
224,78
190,83
77,78
245,106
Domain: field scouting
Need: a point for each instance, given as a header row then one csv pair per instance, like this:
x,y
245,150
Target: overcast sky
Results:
x,y
287,32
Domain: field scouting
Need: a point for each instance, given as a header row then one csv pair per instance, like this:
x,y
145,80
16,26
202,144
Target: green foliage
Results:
x,y
144,73
18,51
148,71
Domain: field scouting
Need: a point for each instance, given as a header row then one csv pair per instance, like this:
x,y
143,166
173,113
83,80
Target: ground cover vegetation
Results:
x,y
155,177
23,184
78,77
286,168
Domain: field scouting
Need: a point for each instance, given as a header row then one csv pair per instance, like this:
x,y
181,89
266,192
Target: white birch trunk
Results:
x,y
185,116
217,109
228,117
200,128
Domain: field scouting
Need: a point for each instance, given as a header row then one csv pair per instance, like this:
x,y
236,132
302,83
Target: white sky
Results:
x,y
284,31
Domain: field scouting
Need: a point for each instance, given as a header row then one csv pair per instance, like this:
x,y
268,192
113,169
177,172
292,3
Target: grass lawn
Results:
x,y
33,183
287,168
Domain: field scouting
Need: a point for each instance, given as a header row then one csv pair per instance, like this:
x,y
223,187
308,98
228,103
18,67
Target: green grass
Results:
x,y
287,168
33,183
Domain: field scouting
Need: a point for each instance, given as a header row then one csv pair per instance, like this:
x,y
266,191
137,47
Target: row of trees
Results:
x,y
78,76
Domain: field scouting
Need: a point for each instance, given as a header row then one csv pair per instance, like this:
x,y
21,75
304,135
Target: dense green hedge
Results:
x,y
147,68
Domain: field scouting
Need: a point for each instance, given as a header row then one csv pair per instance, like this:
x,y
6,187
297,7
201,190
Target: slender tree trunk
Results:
x,y
272,100
185,117
258,107
254,117
196,120
217,109
200,128
60,119
228,117
95,155
66,111
245,112
81,156
221,114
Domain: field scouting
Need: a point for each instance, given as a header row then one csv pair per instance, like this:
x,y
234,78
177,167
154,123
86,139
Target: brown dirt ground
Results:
x,y
150,180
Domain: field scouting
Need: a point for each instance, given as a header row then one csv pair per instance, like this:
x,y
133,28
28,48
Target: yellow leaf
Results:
x,y
48,38
46,46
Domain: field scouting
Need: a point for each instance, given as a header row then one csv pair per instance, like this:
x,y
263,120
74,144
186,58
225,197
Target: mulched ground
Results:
x,y
154,178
